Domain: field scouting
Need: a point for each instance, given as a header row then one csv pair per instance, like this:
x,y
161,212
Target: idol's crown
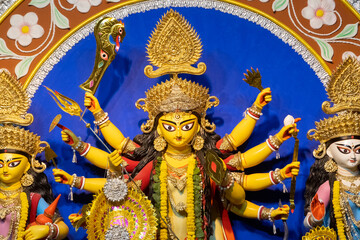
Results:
x,y
17,138
344,91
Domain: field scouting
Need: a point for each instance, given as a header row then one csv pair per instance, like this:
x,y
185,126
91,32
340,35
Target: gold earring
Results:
x,y
160,143
198,143
27,180
330,166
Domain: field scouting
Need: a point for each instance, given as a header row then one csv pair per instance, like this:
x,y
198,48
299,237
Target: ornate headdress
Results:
x,y
14,104
173,47
344,91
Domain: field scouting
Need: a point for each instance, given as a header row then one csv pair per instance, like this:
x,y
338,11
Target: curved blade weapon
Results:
x,y
109,33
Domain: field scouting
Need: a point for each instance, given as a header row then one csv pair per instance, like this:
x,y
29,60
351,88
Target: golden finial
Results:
x,y
344,88
14,102
173,47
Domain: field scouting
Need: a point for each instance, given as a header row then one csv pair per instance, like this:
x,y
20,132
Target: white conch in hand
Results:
x,y
289,120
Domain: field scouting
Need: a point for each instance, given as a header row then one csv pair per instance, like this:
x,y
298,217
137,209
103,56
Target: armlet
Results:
x,y
227,144
236,161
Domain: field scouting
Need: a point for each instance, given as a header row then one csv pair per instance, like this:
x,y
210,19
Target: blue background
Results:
x,y
230,46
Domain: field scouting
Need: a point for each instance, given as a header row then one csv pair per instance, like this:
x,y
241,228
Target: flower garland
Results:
x,y
337,211
190,200
194,199
163,200
23,215
199,201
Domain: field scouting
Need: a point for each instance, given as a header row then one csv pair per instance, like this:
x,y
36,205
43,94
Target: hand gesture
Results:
x,y
317,208
290,170
92,103
62,177
280,213
75,217
36,232
286,132
115,158
263,98
69,137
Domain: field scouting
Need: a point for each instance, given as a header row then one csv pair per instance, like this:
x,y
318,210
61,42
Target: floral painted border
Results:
x,y
125,11
320,13
24,28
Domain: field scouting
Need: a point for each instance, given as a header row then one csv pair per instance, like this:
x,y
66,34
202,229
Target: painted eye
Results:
x,y
344,150
187,127
169,127
120,30
103,55
14,164
1,165
357,150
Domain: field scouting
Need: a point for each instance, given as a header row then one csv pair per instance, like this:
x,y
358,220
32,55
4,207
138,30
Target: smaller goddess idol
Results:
x,y
25,193
332,189
171,161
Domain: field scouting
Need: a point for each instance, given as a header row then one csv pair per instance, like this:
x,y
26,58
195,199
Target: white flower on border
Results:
x,y
319,12
24,28
84,5
350,54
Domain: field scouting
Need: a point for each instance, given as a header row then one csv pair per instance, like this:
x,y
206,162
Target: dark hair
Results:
x,y
40,185
316,178
147,153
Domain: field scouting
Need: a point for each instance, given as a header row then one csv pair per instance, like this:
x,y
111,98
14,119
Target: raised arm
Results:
x,y
111,133
245,127
257,154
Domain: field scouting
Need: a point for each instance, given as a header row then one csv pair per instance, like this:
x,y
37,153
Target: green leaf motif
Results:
x,y
22,67
349,31
39,3
4,49
327,51
60,20
279,5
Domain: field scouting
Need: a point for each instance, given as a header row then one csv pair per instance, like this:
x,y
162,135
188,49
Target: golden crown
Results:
x,y
344,88
344,91
320,233
12,137
14,104
173,47
346,124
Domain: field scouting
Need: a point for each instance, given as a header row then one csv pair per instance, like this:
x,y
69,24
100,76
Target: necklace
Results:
x,y
178,182
18,207
10,193
180,171
180,156
179,207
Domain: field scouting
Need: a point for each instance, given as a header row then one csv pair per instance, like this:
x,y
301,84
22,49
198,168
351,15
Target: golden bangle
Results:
x,y
81,146
99,115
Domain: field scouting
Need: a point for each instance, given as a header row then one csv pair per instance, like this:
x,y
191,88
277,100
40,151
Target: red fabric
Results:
x,y
34,198
227,225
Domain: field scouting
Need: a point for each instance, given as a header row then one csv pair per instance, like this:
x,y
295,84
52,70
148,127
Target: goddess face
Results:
x,y
178,128
12,167
346,153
